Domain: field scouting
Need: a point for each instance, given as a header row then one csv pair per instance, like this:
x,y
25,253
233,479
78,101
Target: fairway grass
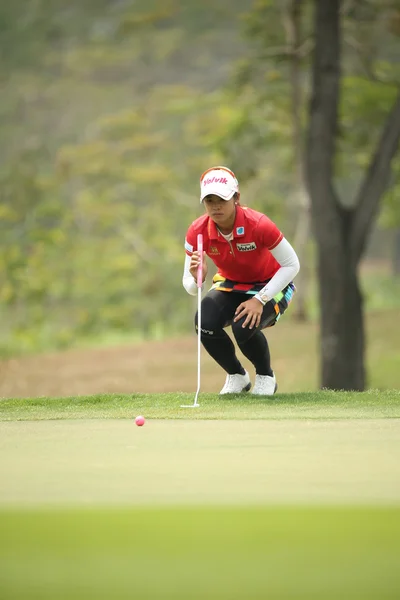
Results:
x,y
200,553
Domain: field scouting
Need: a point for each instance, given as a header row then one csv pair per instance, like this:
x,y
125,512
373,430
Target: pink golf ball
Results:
x,y
140,421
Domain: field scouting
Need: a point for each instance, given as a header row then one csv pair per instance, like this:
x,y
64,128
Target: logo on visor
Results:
x,y
215,180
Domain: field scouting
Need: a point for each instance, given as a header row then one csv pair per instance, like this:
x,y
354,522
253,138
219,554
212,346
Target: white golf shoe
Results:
x,y
235,384
265,385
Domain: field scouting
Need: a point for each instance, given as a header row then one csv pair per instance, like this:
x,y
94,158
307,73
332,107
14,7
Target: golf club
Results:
x,y
199,285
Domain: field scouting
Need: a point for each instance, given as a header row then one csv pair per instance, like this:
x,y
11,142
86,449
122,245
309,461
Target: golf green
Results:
x,y
200,509
97,462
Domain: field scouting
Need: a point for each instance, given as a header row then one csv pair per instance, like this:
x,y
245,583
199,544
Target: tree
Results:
x,y
341,231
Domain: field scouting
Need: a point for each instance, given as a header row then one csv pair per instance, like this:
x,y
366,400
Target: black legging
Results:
x,y
217,311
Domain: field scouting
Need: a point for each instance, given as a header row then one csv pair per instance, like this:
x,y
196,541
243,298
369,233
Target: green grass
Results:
x,y
201,553
226,462
308,405
291,497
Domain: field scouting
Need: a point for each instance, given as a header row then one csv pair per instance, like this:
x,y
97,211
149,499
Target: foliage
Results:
x,y
261,82
100,166
110,112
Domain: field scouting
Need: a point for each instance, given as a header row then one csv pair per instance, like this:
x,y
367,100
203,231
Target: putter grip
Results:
x,y
200,267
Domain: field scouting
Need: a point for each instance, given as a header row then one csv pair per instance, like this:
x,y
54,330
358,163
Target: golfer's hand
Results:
x,y
194,265
252,309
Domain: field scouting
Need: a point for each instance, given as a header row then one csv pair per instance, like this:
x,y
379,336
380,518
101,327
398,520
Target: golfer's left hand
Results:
x,y
252,309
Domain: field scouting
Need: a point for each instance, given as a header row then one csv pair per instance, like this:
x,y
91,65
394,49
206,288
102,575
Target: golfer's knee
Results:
x,y
210,321
242,334
208,326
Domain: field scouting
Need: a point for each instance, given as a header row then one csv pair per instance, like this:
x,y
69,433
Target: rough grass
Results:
x,y
308,405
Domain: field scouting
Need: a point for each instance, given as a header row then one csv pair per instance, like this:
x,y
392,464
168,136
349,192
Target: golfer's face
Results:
x,y
221,211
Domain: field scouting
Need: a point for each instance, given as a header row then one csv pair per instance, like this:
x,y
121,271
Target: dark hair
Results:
x,y
236,198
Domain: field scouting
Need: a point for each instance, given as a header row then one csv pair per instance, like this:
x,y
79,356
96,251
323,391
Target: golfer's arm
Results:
x,y
187,280
285,255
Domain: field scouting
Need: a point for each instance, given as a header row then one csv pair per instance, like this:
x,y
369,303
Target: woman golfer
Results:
x,y
253,284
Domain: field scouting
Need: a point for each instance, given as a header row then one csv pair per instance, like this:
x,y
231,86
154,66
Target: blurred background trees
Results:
x,y
110,112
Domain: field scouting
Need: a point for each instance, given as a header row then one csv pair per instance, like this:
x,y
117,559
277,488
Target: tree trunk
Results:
x,y
342,328
342,324
341,321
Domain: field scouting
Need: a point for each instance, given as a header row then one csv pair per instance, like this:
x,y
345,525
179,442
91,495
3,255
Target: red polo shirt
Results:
x,y
247,258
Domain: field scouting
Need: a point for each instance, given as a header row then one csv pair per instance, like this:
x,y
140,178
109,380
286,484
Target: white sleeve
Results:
x,y
285,255
188,281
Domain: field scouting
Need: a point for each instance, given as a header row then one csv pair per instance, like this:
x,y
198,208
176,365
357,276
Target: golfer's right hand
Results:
x,y
194,265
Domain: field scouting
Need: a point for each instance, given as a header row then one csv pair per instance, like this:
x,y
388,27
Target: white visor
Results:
x,y
219,181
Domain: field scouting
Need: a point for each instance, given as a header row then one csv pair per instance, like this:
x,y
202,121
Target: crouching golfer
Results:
x,y
252,287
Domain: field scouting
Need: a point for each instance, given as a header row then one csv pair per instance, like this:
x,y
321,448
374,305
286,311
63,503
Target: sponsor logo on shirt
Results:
x,y
246,247
213,250
239,230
